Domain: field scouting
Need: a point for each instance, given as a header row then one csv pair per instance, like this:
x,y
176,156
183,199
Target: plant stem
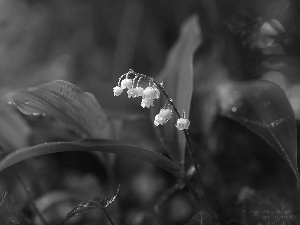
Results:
x,y
31,201
185,132
166,195
108,217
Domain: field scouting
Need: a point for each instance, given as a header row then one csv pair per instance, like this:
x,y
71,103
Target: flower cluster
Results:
x,y
148,95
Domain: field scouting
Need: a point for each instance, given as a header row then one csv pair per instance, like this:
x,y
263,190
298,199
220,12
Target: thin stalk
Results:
x,y
185,132
108,217
198,194
166,195
31,201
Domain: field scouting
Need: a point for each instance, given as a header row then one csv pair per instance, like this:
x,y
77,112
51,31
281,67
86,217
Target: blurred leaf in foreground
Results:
x,y
263,107
7,215
107,146
97,203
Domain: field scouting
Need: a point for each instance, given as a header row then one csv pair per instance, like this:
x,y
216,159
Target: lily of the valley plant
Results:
x,y
131,81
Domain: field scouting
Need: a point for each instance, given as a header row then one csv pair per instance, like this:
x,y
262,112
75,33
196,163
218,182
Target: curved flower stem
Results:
x,y
185,131
108,217
170,101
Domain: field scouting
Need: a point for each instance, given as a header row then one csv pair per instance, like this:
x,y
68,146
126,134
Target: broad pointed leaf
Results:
x,y
67,103
262,107
177,76
107,146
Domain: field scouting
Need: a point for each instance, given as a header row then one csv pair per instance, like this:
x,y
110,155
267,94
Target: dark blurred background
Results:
x,y
92,42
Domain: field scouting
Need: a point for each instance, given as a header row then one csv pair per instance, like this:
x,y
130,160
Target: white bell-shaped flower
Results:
x,y
182,124
149,93
146,102
117,90
126,83
159,120
132,92
166,113
140,91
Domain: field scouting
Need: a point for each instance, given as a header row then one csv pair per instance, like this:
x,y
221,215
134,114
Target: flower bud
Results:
x,y
117,90
166,113
132,92
182,124
140,91
126,83
147,102
149,93
159,120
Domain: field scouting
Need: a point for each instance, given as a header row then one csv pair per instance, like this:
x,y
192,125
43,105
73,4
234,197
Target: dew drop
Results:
x,y
10,103
171,100
43,114
27,102
234,109
36,114
276,122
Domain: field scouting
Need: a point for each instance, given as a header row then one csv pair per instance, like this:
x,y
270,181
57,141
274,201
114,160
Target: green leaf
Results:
x,y
14,131
263,107
177,76
202,218
97,203
107,146
64,101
